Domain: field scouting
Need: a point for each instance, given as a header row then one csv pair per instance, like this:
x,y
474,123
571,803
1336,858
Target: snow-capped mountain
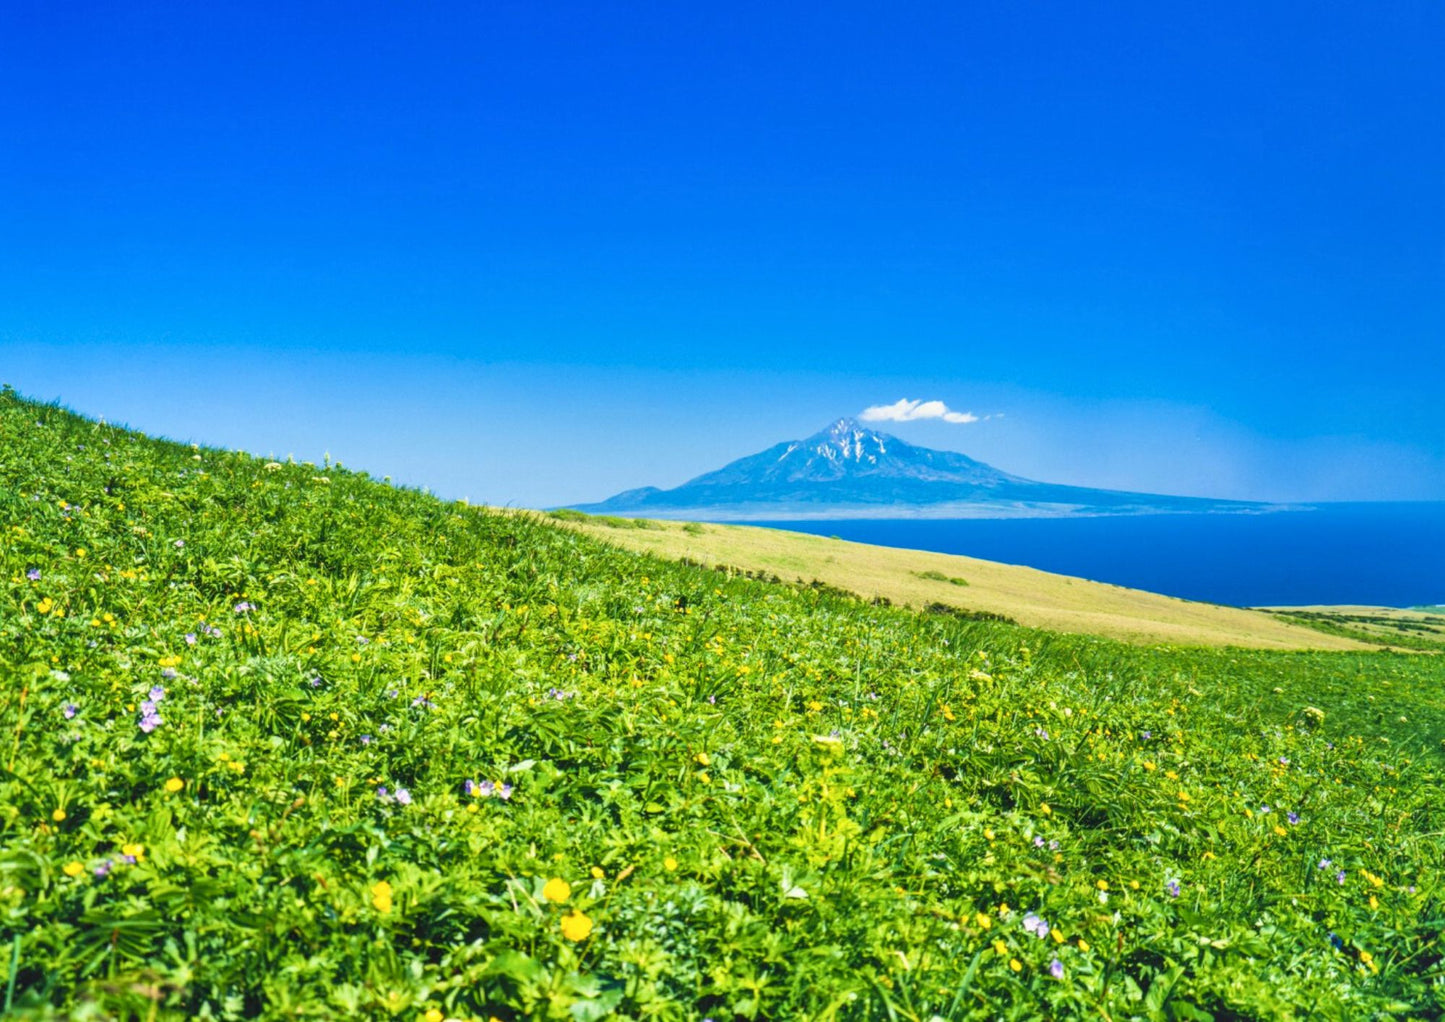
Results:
x,y
848,470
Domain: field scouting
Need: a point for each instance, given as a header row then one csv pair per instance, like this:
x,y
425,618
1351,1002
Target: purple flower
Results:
x,y
149,722
366,739
424,703
1053,846
403,796
381,793
504,791
1035,925
712,700
190,638
392,693
69,710
170,673
1041,733
129,860
1284,761
147,708
179,544
383,729
33,574
316,681
1325,864
470,787
1263,810
1056,969
485,790
244,606
104,868
1340,877
1173,888
1146,735
1293,817
1038,842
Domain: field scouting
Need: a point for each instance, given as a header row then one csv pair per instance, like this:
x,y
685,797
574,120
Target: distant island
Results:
x,y
850,471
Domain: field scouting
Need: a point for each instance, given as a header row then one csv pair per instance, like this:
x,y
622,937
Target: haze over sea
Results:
x,y
1380,553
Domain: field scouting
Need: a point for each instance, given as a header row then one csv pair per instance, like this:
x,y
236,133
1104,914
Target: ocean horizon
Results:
x,y
1389,554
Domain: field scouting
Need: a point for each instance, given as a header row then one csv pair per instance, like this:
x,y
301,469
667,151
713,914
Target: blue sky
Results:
x,y
535,254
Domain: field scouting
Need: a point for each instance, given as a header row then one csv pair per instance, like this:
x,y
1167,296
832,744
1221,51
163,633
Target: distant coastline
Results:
x,y
951,511
1386,553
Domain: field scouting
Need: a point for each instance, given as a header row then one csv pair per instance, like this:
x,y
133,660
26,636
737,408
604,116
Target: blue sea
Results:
x,y
1383,554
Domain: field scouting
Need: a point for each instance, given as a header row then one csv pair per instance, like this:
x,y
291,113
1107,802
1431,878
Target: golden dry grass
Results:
x,y
1029,596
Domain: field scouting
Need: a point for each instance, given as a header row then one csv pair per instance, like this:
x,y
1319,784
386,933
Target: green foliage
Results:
x,y
769,801
934,575
1423,630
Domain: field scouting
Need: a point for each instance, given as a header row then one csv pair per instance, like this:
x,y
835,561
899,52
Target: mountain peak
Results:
x,y
847,469
846,440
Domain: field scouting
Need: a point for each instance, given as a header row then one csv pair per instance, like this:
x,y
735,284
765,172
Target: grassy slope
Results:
x,y
1031,597
1417,628
767,803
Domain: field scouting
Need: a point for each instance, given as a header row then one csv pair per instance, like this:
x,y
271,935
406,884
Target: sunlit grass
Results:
x,y
280,740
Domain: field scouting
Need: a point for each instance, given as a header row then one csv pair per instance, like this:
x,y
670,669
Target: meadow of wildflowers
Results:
x,y
280,740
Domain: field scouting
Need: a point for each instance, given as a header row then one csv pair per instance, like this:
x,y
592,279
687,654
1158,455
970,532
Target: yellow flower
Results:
x,y
1102,885
135,851
1015,965
44,606
58,815
1000,947
1280,830
432,1015
984,922
1374,902
557,890
73,869
174,785
1044,808
381,897
1083,944
1057,935
669,864
576,925
1149,764
702,759
597,873
988,833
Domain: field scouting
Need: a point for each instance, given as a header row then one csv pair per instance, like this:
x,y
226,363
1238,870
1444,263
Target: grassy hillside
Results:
x,y
280,740
1420,628
919,578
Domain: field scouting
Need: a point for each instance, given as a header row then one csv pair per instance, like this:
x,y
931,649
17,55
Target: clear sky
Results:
x,y
536,253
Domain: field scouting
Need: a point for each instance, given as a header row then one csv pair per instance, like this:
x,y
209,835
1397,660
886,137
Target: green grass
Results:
x,y
1417,628
767,800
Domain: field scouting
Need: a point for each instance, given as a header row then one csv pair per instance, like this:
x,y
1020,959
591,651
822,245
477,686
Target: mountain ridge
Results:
x,y
848,470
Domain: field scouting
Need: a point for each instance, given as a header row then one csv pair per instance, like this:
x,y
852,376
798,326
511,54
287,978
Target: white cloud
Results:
x,y
904,410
